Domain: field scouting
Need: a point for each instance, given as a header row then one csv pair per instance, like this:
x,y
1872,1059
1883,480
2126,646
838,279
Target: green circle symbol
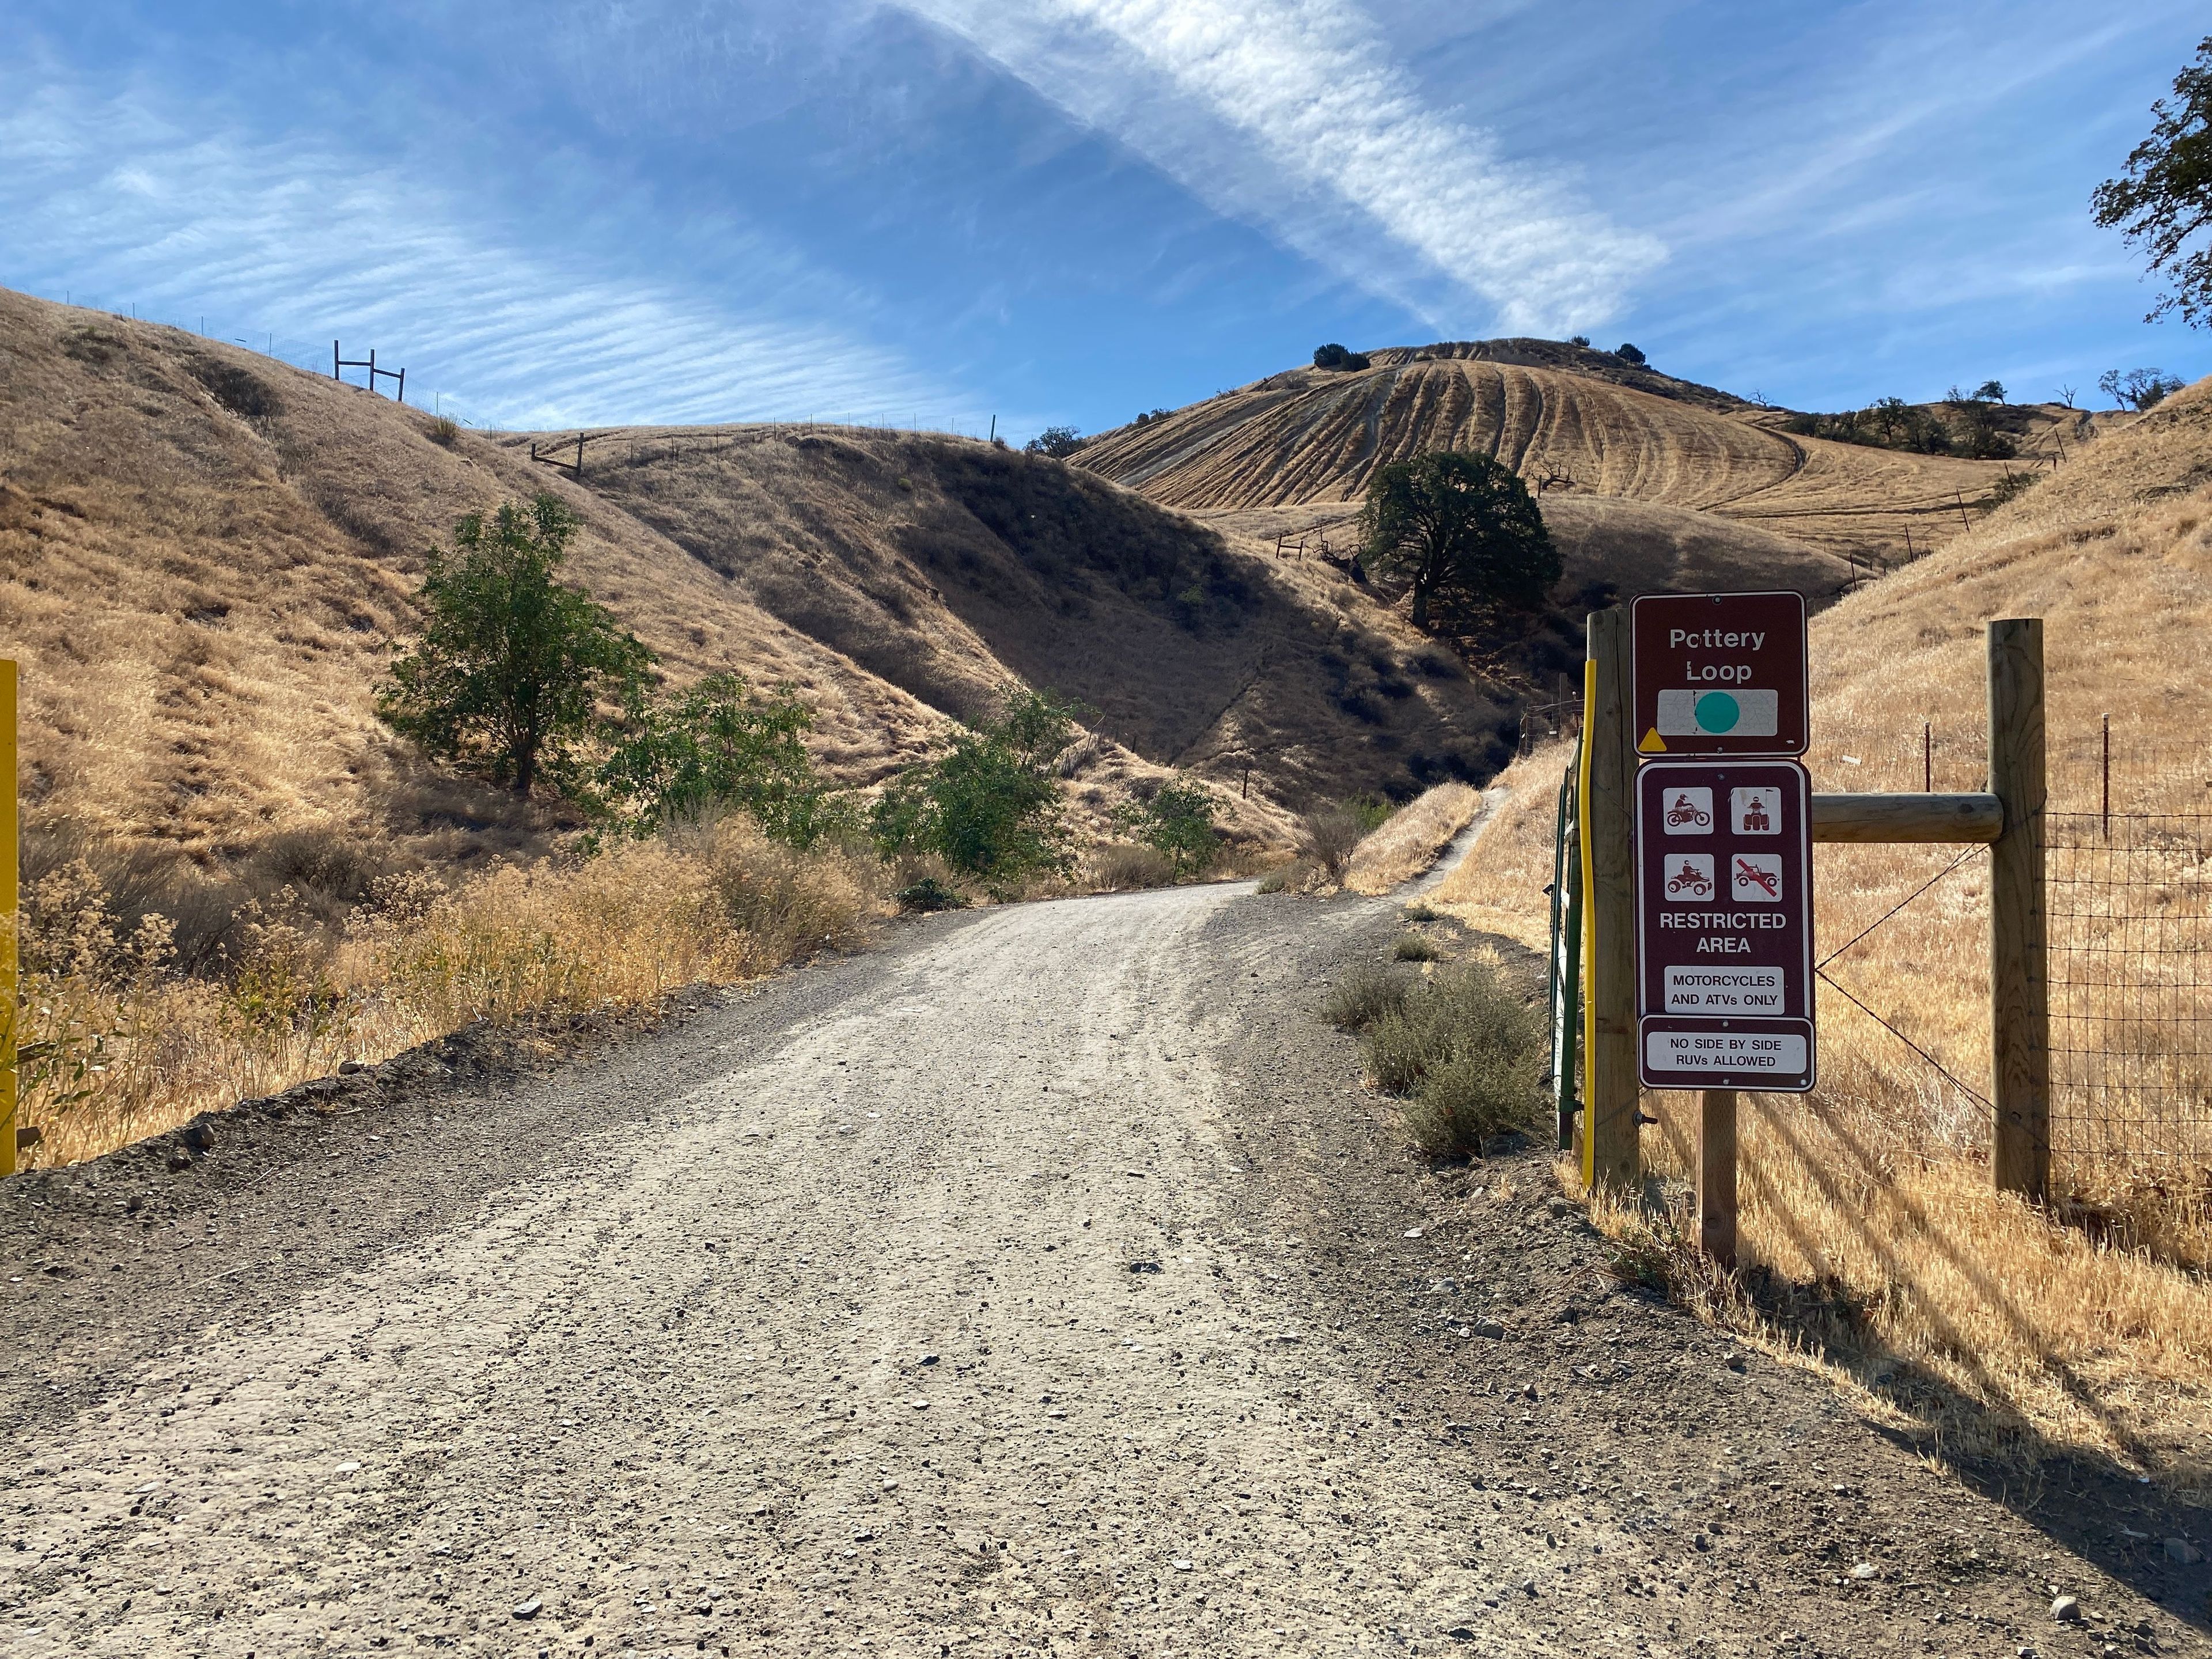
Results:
x,y
1718,712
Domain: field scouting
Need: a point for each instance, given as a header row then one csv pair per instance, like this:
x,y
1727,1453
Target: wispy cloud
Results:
x,y
105,194
1293,114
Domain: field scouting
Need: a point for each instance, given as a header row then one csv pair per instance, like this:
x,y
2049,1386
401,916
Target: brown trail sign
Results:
x,y
1740,643
1720,674
1724,925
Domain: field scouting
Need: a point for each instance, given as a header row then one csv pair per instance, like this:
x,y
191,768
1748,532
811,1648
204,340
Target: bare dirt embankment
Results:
x,y
1046,1278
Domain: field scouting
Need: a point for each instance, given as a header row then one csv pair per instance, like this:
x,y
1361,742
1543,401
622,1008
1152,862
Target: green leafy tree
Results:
x,y
1058,441
511,663
721,744
1459,530
990,805
1629,354
1989,392
2164,199
2138,388
1177,822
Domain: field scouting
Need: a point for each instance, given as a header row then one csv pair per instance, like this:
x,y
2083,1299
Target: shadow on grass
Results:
x,y
2090,1502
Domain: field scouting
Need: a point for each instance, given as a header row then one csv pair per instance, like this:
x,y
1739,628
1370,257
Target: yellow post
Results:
x,y
8,862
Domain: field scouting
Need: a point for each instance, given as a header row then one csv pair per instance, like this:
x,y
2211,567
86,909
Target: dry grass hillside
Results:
x,y
942,566
204,555
2002,1332
1582,423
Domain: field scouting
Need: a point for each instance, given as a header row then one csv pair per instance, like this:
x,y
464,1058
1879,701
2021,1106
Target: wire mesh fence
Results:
x,y
2129,898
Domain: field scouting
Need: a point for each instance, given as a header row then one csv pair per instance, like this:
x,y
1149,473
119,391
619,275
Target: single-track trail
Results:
x,y
1042,1283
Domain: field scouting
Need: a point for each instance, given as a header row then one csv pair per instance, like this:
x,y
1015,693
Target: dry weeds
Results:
x,y
119,1046
1412,838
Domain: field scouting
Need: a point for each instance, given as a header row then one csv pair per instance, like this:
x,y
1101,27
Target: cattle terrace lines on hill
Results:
x,y
1557,412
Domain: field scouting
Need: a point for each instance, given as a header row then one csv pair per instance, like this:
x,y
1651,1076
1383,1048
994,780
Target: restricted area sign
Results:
x,y
1724,925
1719,674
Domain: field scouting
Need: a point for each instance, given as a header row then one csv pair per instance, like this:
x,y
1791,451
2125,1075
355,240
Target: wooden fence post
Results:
x,y
1717,1175
1611,1114
2019,992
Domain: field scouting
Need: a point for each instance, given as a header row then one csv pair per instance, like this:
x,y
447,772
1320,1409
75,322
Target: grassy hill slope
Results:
x,y
204,555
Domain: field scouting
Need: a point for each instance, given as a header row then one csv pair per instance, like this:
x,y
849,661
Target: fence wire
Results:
x,y
2129,915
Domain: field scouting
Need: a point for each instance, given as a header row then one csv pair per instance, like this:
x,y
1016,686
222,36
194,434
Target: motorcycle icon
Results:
x,y
1685,811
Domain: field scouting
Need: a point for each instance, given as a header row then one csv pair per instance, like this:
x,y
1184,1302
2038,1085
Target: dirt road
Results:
x,y
1044,1282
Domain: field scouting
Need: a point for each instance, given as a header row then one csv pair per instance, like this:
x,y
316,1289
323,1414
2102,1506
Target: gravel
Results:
x,y
499,1310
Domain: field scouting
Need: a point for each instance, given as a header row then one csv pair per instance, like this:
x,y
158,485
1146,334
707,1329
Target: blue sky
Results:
x,y
946,211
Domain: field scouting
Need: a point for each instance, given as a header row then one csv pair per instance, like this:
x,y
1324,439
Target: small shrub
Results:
x,y
1414,947
1372,810
1286,879
444,430
1328,834
1364,994
929,894
1335,357
2009,485
1121,868
1419,911
1468,1053
1177,822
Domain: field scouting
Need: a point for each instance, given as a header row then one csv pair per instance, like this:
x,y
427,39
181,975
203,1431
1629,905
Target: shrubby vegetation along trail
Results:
x,y
1044,1282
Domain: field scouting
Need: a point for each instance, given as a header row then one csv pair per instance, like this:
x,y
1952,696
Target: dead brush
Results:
x,y
118,1043
1125,867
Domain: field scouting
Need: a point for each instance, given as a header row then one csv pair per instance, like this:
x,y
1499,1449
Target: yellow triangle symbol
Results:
x,y
1653,743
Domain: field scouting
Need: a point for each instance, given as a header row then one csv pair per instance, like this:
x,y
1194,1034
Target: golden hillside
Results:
x,y
204,555
1582,423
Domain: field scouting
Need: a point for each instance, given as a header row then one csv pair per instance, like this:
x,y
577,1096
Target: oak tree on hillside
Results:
x,y
2138,388
1461,531
1058,441
506,678
2164,198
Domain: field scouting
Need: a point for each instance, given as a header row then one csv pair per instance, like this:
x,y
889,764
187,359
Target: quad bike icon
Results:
x,y
1766,881
1688,879
1684,811
1755,818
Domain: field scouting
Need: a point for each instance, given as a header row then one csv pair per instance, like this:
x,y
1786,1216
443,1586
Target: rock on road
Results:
x,y
1035,1283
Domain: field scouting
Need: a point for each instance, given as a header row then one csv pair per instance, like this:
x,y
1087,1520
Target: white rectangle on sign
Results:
x,y
1782,1053
1690,811
1724,990
1755,878
1694,711
1689,877
1755,812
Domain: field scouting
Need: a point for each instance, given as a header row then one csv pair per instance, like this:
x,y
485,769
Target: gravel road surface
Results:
x,y
1043,1283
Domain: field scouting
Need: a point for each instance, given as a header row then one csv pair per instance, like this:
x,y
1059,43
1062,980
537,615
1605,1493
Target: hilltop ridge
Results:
x,y
1574,423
